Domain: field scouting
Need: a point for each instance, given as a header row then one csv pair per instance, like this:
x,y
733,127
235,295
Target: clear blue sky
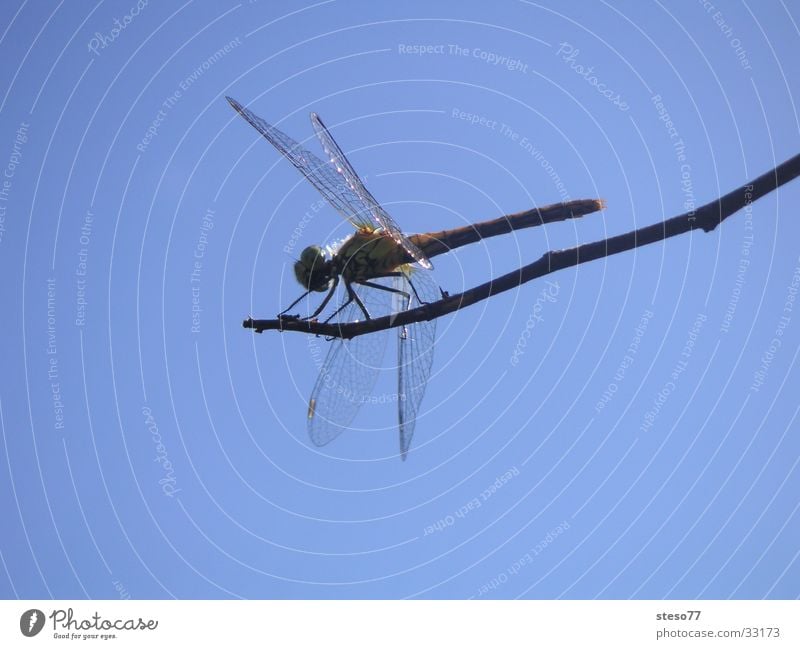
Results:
x,y
156,451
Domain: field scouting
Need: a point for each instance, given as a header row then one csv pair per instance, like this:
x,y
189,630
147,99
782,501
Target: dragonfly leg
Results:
x,y
387,288
408,279
396,291
291,306
351,296
319,308
406,296
416,295
335,313
326,300
354,295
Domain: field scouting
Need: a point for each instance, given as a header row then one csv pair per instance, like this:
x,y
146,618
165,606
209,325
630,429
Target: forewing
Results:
x,y
319,173
414,353
349,372
379,217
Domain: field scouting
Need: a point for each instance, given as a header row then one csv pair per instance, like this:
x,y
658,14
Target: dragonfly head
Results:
x,y
313,269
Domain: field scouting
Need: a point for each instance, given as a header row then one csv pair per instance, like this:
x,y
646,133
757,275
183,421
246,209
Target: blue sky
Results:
x,y
623,429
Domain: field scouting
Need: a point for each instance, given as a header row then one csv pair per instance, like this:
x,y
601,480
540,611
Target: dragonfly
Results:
x,y
382,272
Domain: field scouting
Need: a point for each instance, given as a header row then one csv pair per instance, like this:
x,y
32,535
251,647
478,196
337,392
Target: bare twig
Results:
x,y
707,218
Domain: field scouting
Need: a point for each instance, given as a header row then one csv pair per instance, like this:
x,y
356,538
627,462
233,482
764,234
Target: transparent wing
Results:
x,y
379,217
349,372
320,174
414,353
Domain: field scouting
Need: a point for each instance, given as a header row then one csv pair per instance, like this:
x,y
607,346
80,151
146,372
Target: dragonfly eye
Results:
x,y
312,269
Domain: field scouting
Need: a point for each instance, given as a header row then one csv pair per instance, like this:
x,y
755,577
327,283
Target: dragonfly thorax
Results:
x,y
313,269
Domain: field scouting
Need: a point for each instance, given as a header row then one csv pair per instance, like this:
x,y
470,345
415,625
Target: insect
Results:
x,y
382,272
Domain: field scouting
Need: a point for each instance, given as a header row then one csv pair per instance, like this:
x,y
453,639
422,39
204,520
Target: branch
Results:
x,y
707,218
